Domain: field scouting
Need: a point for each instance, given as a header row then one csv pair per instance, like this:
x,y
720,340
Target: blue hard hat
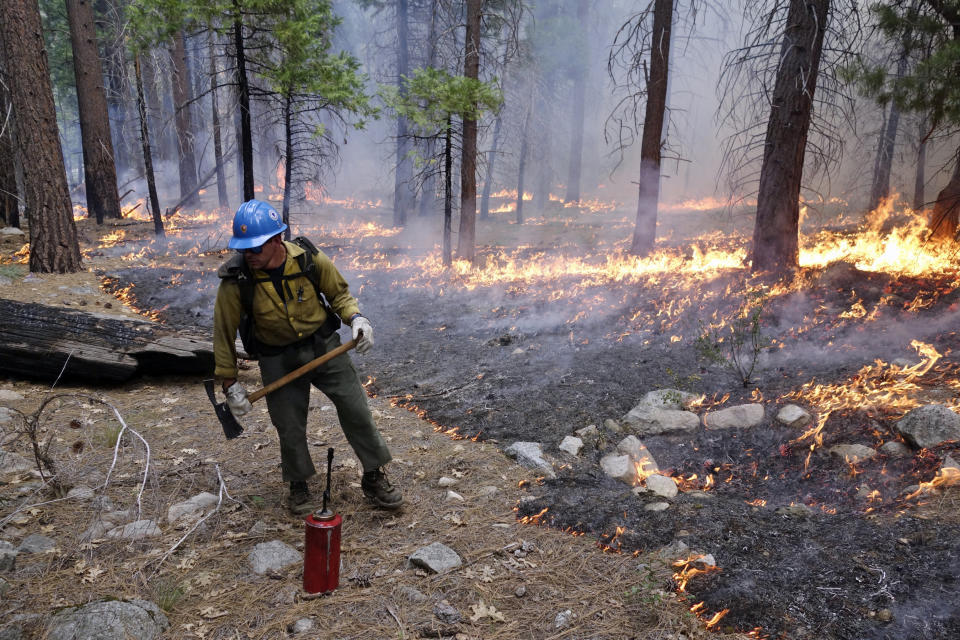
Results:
x,y
254,223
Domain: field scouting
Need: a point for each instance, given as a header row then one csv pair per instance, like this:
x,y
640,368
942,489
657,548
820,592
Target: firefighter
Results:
x,y
292,325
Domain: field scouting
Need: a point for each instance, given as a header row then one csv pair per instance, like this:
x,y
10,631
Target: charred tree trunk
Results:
x,y
776,231
9,203
491,163
448,194
579,105
245,151
541,156
53,234
403,197
99,172
946,209
182,99
428,195
522,168
117,95
919,180
881,178
645,231
287,163
222,198
147,153
466,240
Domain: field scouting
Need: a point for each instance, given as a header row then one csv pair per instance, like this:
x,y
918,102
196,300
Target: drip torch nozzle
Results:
x,y
326,492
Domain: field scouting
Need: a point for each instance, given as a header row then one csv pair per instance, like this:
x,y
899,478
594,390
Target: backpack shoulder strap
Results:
x,y
308,267
236,269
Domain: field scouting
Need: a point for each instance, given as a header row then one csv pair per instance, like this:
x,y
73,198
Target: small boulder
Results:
x,y
136,530
588,432
661,485
36,543
656,506
571,445
109,620
445,482
794,416
619,468
563,619
741,416
14,463
530,455
8,556
446,612
638,452
853,453
81,493
929,426
9,395
895,449
302,626
669,399
7,415
191,508
273,556
646,420
435,558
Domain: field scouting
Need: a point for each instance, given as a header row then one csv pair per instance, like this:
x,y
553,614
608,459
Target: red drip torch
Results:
x,y
321,557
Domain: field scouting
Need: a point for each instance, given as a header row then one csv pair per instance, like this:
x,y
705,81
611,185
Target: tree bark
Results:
x,y
466,241
147,153
579,106
53,234
881,178
645,230
287,163
946,209
522,165
403,196
222,198
182,99
776,230
9,205
919,180
245,150
448,194
99,172
491,163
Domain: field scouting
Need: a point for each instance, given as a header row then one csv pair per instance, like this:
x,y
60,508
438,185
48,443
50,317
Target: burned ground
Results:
x,y
509,362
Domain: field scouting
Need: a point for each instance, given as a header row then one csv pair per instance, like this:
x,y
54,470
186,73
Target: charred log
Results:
x,y
40,342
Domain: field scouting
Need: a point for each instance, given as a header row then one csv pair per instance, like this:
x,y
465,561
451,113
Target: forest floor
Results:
x,y
553,333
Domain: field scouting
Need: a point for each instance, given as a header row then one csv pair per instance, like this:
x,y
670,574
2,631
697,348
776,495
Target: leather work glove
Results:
x,y
361,325
237,400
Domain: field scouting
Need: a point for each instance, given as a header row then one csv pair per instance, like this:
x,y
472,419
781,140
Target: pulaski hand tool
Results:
x,y
232,428
321,549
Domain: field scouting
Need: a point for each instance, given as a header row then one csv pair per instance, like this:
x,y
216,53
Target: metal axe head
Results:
x,y
231,428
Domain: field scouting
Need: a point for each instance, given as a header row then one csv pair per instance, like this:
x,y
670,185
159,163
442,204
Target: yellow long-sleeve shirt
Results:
x,y
278,322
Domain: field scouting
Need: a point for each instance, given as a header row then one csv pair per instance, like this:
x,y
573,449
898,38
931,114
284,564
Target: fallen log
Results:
x,y
36,341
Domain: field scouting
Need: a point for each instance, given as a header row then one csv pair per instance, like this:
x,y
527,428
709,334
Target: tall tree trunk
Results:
x,y
162,143
881,178
579,105
919,180
287,163
466,240
776,231
403,196
448,194
428,197
99,172
245,142
53,234
182,100
645,231
946,209
116,93
542,155
522,166
145,146
9,204
222,198
491,163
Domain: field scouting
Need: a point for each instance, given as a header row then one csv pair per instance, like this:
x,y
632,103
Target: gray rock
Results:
x,y
11,231
302,625
620,468
14,463
446,613
588,432
669,399
895,449
80,493
795,511
530,455
193,507
412,594
36,543
109,620
4,587
95,531
259,528
445,482
571,445
656,506
612,426
646,420
563,619
435,558
930,425
138,530
488,490
9,395
741,416
794,416
950,463
661,485
11,631
8,556
453,496
7,415
853,453
273,556
638,452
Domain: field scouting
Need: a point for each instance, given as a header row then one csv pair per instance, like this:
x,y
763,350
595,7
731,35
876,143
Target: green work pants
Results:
x,y
288,406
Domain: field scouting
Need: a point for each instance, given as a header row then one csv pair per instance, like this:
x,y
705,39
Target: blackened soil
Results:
x,y
512,365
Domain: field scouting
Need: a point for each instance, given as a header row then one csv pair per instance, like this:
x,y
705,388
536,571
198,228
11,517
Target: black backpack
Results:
x,y
237,268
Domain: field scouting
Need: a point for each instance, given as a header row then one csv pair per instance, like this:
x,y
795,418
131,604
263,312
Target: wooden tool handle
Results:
x,y
296,373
